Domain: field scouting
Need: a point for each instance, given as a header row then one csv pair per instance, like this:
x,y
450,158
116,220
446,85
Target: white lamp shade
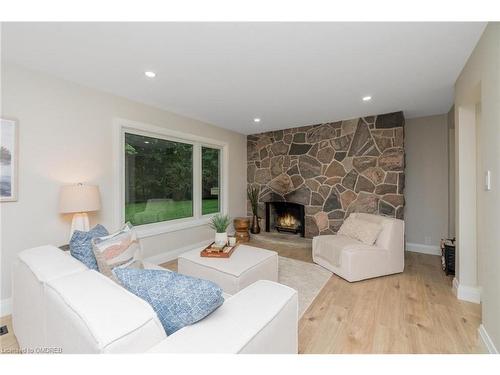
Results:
x,y
79,198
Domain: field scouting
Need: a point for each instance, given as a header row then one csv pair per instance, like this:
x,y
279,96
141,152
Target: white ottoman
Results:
x,y
246,265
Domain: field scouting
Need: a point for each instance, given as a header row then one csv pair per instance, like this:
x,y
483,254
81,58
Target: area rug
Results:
x,y
306,278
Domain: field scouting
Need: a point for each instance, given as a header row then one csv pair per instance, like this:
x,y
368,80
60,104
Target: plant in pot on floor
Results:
x,y
220,223
253,197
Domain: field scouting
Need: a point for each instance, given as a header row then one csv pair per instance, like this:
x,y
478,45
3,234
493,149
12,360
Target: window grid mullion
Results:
x,y
197,189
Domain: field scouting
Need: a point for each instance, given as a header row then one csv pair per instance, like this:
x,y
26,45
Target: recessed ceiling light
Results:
x,y
150,74
256,119
147,142
367,98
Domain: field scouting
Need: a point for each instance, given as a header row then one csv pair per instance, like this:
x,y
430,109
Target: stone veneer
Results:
x,y
333,169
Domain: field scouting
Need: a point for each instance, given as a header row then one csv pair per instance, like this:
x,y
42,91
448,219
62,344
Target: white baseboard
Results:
x,y
5,307
486,340
173,254
466,293
424,249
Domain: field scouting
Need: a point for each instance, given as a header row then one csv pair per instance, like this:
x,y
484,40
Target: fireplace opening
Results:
x,y
285,217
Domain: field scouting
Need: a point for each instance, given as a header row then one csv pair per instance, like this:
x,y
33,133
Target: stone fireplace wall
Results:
x,y
333,169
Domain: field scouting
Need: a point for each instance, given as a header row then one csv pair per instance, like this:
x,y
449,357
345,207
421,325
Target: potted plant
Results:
x,y
253,197
220,223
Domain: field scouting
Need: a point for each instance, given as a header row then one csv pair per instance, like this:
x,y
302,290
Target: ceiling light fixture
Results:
x,y
367,98
150,74
256,119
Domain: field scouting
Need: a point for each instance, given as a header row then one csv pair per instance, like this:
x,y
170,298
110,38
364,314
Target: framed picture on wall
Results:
x,y
8,160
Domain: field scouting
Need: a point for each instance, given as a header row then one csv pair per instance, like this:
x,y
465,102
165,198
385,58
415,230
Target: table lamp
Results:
x,y
79,199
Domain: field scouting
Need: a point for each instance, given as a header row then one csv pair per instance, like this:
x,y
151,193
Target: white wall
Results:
x,y
426,190
479,81
466,175
66,135
451,172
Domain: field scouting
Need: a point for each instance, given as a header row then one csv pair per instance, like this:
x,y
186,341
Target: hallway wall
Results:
x,y
481,77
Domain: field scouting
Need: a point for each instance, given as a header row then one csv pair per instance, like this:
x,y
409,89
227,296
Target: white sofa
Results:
x,y
59,303
359,261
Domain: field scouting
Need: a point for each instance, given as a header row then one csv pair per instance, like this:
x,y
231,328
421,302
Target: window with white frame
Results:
x,y
169,179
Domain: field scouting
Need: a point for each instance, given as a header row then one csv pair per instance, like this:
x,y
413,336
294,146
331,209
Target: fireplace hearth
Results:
x,y
285,217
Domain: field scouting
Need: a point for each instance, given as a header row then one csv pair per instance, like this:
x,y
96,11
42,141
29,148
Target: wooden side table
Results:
x,y
241,225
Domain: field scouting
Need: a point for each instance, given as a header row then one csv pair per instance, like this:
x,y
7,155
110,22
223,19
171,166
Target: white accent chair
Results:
x,y
59,303
359,261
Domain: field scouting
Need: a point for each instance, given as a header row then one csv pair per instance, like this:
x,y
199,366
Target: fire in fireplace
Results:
x,y
286,222
285,217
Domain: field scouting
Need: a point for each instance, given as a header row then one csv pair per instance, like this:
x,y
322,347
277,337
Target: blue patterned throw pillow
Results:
x,y
178,300
80,245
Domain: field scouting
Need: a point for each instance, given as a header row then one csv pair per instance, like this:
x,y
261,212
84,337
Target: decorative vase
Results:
x,y
255,228
221,239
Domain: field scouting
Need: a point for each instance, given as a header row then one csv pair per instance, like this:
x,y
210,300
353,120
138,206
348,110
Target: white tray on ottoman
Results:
x,y
246,265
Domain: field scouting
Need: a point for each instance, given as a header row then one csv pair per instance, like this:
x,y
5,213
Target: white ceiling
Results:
x,y
288,74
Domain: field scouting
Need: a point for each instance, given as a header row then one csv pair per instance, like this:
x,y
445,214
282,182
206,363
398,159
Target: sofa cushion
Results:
x,y
262,318
392,234
330,247
49,262
178,300
80,245
106,316
30,273
362,230
121,249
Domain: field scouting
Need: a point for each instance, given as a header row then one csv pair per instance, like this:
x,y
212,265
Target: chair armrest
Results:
x,y
261,318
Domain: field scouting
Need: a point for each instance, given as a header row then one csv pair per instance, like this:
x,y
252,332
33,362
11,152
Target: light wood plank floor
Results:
x,y
412,312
